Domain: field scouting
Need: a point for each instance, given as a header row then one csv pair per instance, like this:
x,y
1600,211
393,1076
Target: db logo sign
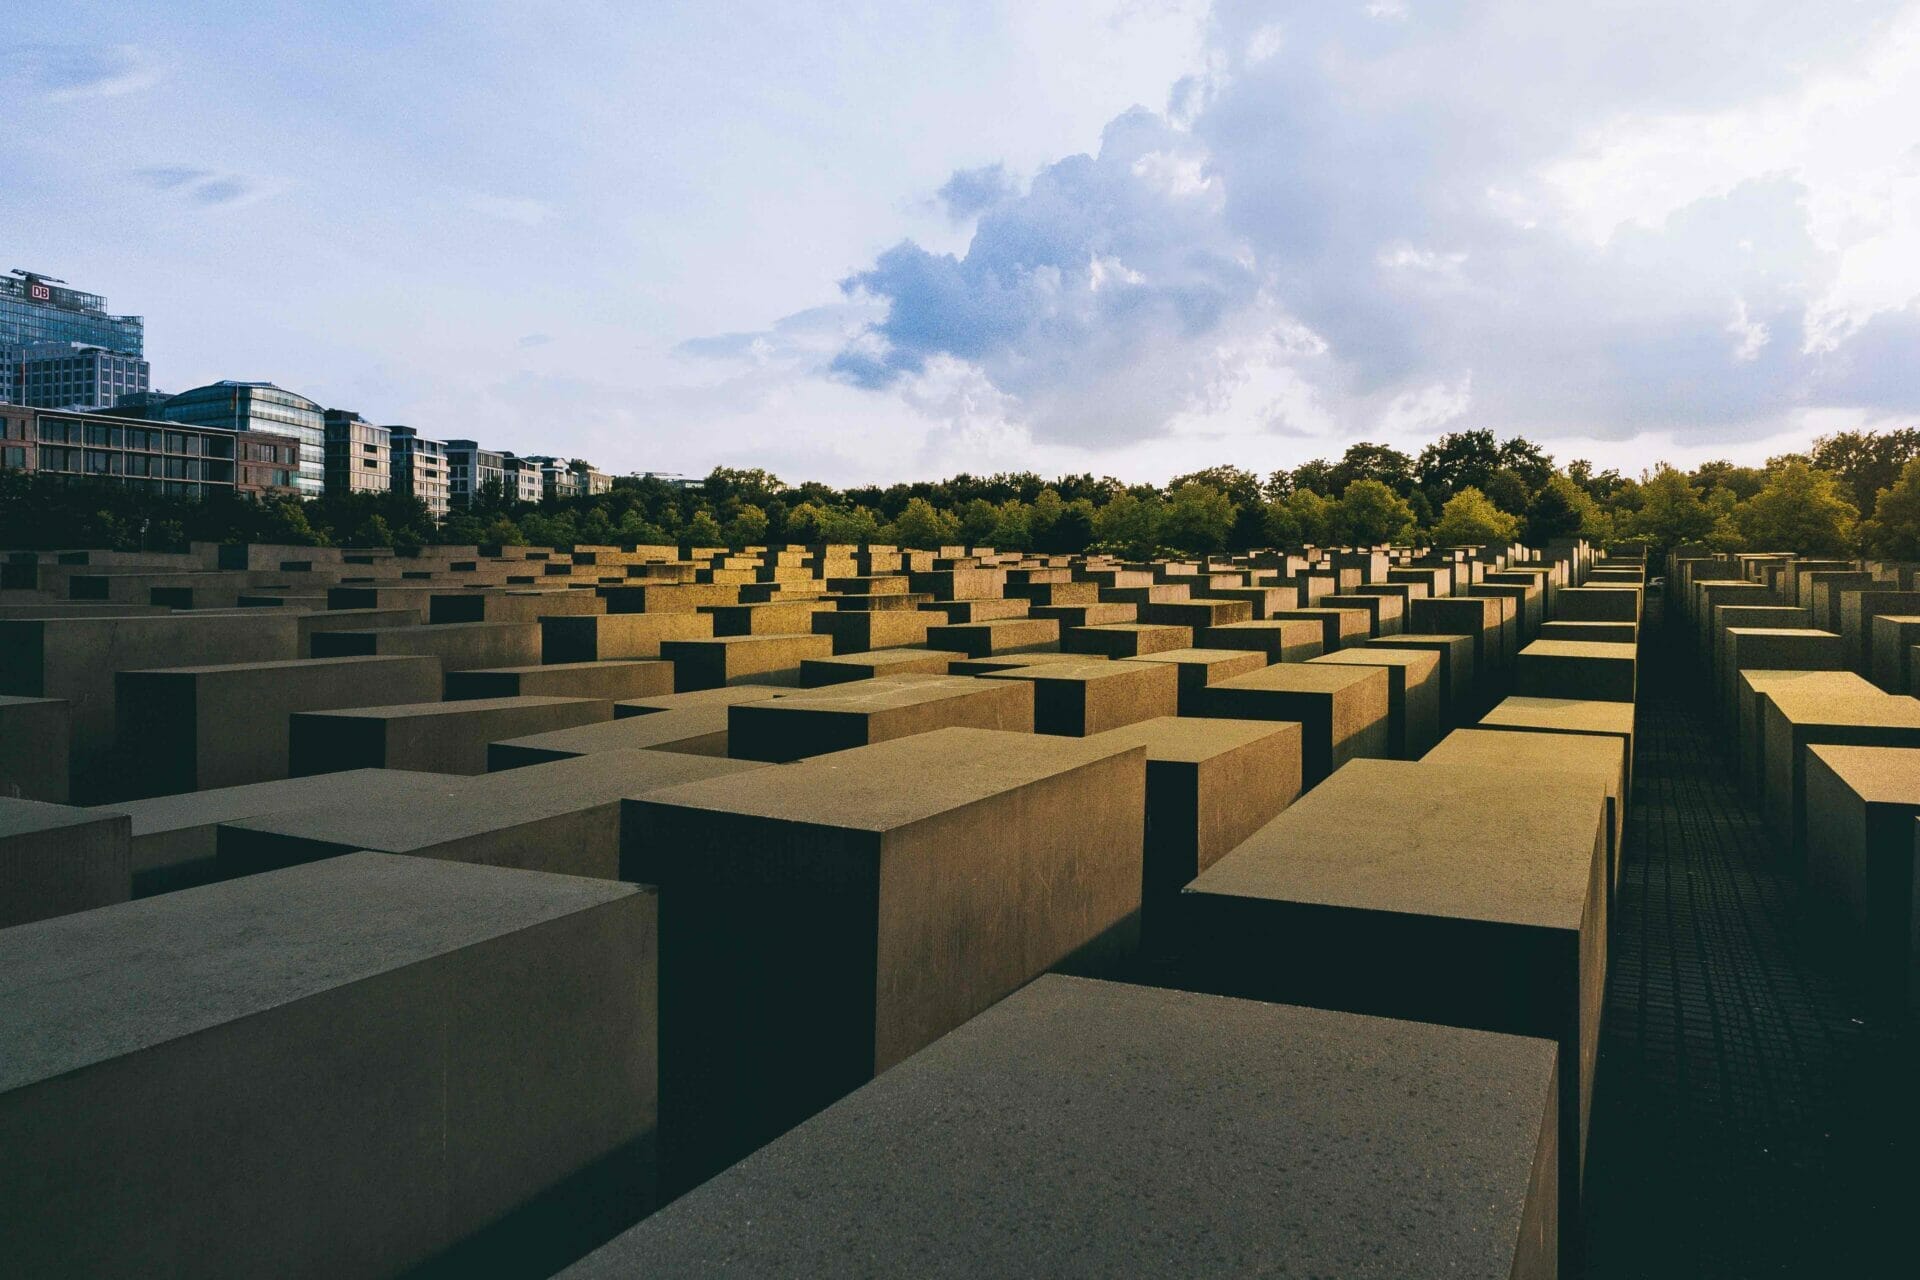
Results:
x,y
40,292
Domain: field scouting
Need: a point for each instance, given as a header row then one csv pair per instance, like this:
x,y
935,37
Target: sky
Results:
x,y
864,243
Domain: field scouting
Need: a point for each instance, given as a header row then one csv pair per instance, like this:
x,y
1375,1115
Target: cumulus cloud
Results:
x,y
1595,225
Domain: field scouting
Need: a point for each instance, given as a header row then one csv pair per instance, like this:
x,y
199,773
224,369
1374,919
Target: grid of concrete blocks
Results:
x,y
825,910
1813,666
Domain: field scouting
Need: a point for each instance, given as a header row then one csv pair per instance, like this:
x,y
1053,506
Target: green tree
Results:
x,y
1072,532
1866,461
1457,460
1014,528
1312,516
1801,510
1130,524
1198,518
1672,510
1369,512
1507,489
1364,461
703,530
850,525
923,527
1562,509
1894,531
748,527
1469,519
977,519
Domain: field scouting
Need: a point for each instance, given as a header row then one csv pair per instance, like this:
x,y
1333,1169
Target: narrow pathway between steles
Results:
x,y
1755,1114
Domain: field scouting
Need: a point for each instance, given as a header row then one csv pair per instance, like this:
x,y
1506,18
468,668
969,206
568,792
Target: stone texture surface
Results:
x,y
1083,1128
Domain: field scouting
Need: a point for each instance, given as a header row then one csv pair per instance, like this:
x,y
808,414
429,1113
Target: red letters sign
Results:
x,y
39,292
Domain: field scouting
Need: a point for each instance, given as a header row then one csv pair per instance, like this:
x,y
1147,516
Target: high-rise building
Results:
x,y
56,375
260,406
470,468
35,308
359,454
420,469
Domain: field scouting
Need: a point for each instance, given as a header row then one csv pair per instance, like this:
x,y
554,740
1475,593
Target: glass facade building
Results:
x,y
470,468
52,375
260,406
34,309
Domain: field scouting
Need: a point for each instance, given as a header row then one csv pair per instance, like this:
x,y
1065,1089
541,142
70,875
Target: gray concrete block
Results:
x,y
615,680
1076,1128
336,1070
35,738
433,737
55,859
831,917
840,717
194,728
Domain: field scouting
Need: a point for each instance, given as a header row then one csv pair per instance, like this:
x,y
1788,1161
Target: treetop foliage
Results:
x,y
1854,491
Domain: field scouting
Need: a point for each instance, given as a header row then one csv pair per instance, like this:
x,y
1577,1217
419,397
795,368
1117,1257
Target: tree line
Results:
x,y
1852,492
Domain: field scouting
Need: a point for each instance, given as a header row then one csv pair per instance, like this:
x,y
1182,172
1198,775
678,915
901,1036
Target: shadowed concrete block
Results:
x,y
1413,694
1577,669
335,1070
1197,612
1425,891
1773,649
842,668
1751,732
1520,754
857,715
1210,785
1796,720
1602,632
1568,715
725,696
1126,639
956,612
414,599
1598,604
562,816
615,681
509,606
829,918
34,742
1010,661
767,618
1894,638
862,631
1071,616
1858,609
1473,616
994,1128
173,839
724,660
1386,615
1861,806
618,635
1342,711
460,646
1199,668
1263,600
1454,671
75,659
1002,635
434,737
1342,628
1075,701
313,623
194,728
55,859
1526,603
1279,639
693,731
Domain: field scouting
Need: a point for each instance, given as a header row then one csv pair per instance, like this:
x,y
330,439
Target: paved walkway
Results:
x,y
1755,1114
